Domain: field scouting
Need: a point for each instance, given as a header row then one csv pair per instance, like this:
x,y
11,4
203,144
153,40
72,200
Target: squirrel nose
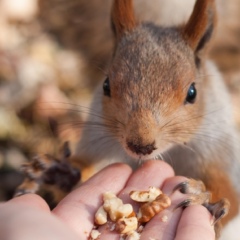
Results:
x,y
139,149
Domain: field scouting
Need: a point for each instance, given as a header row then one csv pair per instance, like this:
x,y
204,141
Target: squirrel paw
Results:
x,y
190,186
218,209
45,170
196,191
197,194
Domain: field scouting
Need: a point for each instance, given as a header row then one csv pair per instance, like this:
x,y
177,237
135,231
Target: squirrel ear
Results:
x,y
199,28
123,19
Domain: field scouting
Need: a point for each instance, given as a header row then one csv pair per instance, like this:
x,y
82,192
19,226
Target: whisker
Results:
x,y
190,119
89,112
204,138
90,124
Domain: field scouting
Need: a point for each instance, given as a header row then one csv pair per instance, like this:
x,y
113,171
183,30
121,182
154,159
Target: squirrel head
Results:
x,y
155,85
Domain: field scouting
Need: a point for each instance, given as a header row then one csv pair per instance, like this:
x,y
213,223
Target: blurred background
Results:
x,y
53,53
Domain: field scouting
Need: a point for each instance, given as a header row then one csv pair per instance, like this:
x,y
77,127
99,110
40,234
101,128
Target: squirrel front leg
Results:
x,y
219,184
215,192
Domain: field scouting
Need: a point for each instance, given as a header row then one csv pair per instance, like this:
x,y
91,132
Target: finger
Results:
x,y
195,223
23,222
169,186
164,224
79,207
151,173
31,200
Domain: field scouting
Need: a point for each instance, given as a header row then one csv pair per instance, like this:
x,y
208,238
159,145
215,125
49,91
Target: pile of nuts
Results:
x,y
122,216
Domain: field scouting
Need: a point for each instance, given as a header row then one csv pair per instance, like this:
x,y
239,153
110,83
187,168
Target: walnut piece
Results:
x,y
115,207
148,210
123,217
126,225
164,218
94,235
145,196
101,216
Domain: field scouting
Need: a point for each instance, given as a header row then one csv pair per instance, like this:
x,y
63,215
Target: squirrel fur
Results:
x,y
143,110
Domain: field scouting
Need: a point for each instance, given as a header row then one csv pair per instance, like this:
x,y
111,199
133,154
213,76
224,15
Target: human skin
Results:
x,y
29,217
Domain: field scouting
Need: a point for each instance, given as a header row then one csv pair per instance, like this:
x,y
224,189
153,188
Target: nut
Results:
x,y
115,207
126,225
164,218
122,216
101,216
145,196
148,210
108,195
111,201
126,210
94,235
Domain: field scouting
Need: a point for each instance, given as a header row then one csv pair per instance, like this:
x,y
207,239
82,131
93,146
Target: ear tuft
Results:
x,y
123,18
199,28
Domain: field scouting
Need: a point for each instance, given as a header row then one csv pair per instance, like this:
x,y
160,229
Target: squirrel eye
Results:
x,y
106,87
192,93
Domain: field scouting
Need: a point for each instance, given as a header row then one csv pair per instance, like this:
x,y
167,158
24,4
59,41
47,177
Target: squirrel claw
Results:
x,y
194,199
190,186
218,210
183,204
182,187
197,194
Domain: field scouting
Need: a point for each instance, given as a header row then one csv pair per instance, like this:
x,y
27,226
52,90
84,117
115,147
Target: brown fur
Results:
x,y
125,81
123,16
203,15
220,186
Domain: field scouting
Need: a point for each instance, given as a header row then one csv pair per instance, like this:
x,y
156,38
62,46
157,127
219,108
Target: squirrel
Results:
x,y
163,99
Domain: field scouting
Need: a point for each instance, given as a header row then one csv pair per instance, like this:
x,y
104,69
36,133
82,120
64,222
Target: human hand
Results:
x,y
28,216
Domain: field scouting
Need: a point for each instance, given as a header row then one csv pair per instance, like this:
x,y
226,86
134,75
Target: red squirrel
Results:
x,y
162,99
